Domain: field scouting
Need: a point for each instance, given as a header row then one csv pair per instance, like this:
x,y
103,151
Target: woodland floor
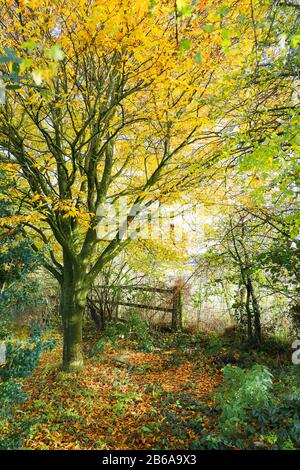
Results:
x,y
128,399
123,399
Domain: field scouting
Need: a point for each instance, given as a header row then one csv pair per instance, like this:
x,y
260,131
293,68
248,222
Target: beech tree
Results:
x,y
107,100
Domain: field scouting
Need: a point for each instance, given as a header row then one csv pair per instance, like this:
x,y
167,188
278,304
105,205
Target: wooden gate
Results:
x,y
175,309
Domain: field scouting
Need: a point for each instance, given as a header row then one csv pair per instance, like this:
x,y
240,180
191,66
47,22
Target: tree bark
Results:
x,y
249,315
73,302
256,312
177,310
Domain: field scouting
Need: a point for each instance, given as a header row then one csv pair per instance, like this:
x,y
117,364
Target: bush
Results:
x,y
139,329
11,393
21,296
23,357
134,328
243,392
4,329
24,293
255,412
279,423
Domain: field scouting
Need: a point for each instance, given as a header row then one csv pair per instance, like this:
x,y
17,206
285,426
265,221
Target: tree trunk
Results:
x,y
96,313
256,311
73,303
249,315
177,310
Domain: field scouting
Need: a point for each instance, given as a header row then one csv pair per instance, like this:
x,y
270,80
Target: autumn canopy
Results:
x,y
107,100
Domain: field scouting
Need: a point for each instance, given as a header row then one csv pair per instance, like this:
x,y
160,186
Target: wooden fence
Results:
x,y
175,310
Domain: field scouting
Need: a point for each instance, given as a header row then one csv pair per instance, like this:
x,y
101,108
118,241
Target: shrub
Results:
x,y
139,329
255,412
23,357
21,296
242,393
11,393
134,328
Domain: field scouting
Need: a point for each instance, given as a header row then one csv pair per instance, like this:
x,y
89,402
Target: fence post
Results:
x,y
177,309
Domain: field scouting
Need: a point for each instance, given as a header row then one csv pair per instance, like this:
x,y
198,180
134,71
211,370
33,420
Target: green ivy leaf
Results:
x,y
25,64
152,7
10,56
225,33
223,11
185,45
56,53
208,28
29,45
295,40
198,58
184,7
